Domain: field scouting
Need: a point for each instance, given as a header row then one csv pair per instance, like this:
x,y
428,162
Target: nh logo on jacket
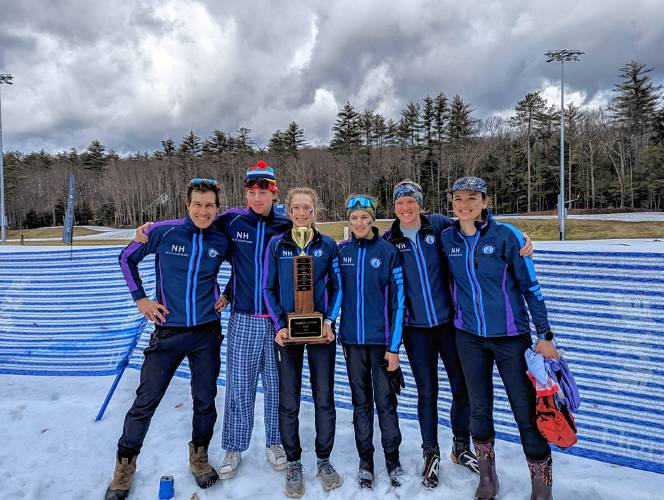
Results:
x,y
177,248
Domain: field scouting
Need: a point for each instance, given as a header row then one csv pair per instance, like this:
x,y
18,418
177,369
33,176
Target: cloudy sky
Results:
x,y
131,73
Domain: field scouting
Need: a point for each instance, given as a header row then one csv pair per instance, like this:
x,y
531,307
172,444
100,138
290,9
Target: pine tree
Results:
x,y
277,144
411,125
461,124
168,145
528,110
293,139
346,131
441,116
93,157
242,142
191,145
428,123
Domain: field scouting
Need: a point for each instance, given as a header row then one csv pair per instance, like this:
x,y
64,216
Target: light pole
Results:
x,y
4,78
562,55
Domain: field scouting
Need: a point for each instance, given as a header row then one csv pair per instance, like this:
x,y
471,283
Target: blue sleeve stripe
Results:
x,y
337,302
398,326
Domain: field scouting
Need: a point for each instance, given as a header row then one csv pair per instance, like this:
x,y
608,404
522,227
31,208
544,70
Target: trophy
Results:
x,y
305,326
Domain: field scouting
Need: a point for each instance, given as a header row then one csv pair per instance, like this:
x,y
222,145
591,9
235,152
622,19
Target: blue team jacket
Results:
x,y
249,234
491,281
278,289
428,300
373,292
187,261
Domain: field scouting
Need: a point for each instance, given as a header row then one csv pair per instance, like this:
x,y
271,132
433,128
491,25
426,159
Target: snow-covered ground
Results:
x,y
53,448
625,217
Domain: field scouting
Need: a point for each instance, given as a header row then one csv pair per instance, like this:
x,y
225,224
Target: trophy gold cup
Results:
x,y
305,325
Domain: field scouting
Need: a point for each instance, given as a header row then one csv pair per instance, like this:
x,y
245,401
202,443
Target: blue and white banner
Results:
x,y
75,317
68,232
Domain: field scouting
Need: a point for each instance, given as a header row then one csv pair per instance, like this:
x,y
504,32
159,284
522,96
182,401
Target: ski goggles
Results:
x,y
197,181
261,183
361,203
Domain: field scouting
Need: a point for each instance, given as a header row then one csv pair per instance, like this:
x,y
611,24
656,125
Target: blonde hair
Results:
x,y
306,191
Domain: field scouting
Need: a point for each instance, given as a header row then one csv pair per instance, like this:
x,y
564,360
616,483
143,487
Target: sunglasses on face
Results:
x,y
361,201
197,181
259,183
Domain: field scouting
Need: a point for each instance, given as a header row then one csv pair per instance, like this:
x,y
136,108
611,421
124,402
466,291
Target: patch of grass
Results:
x,y
47,232
548,230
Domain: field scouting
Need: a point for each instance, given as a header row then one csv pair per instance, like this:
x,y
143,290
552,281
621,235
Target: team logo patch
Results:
x,y
488,249
430,239
318,252
212,253
375,262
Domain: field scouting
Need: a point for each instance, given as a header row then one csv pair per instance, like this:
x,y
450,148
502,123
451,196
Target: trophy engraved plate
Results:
x,y
305,326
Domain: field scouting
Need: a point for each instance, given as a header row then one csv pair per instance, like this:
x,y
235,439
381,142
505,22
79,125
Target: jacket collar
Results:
x,y
364,242
482,226
396,234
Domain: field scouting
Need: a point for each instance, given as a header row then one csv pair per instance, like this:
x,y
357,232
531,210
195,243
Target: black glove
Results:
x,y
395,378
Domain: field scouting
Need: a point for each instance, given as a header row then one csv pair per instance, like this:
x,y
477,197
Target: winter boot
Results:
x,y
294,481
329,477
541,478
462,455
365,474
430,469
394,471
488,486
125,468
203,472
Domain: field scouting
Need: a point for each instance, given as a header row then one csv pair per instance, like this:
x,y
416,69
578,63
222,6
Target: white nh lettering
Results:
x,y
242,235
177,248
287,253
455,250
348,260
401,246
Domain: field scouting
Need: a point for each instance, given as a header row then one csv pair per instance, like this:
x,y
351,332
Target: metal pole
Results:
x,y
2,178
561,207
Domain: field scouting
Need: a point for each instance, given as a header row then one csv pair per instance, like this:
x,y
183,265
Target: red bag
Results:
x,y
557,426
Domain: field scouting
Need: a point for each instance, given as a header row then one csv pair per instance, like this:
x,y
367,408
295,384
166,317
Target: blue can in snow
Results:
x,y
166,488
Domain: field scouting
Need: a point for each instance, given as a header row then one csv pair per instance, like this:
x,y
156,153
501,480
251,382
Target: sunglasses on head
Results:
x,y
259,183
199,180
361,201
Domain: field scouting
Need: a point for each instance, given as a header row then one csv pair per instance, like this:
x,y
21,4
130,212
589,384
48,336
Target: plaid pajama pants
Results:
x,y
249,352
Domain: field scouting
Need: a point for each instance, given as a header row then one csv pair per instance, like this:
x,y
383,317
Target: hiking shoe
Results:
x,y
230,464
203,472
329,477
294,481
276,456
125,468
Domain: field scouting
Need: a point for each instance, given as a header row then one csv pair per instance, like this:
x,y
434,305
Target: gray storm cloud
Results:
x,y
133,73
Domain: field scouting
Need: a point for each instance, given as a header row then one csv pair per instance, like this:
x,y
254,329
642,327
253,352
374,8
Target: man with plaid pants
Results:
x,y
250,350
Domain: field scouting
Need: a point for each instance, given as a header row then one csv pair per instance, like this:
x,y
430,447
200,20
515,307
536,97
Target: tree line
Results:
x,y
614,159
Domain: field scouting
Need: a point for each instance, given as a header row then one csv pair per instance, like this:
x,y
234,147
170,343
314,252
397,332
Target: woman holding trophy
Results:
x,y
302,291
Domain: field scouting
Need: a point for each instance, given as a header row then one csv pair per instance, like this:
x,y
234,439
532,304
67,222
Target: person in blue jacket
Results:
x,y
250,349
428,330
372,307
188,253
492,285
279,293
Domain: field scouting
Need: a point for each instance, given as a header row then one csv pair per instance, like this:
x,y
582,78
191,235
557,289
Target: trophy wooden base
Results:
x,y
305,329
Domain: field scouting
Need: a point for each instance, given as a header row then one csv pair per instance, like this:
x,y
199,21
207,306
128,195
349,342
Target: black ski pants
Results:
x,y
424,346
478,355
369,383
321,360
167,349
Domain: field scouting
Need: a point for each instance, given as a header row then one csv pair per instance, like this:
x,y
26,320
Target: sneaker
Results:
x,y
430,469
462,455
294,481
276,456
231,463
365,474
394,471
329,478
